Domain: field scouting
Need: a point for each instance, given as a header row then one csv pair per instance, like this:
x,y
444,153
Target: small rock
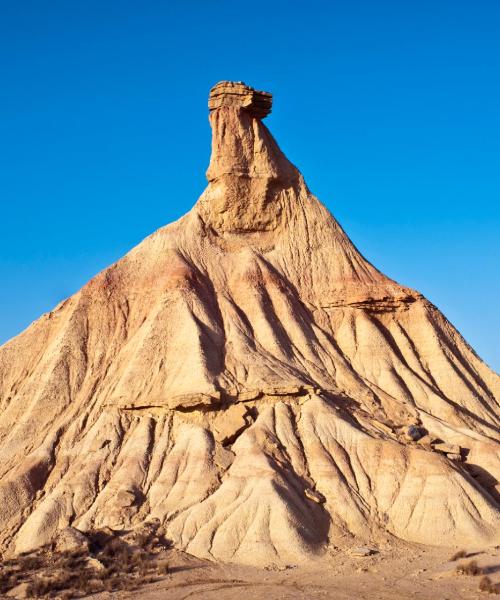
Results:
x,y
414,432
70,539
223,457
427,440
314,496
275,567
20,591
95,564
362,551
447,448
230,423
125,498
456,457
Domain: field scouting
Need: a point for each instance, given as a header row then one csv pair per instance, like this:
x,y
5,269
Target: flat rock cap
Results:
x,y
236,93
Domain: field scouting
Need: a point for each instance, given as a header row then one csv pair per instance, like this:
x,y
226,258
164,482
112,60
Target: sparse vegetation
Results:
x,y
469,568
459,554
111,563
486,585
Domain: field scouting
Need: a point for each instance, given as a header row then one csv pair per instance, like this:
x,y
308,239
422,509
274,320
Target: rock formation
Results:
x,y
236,93
245,376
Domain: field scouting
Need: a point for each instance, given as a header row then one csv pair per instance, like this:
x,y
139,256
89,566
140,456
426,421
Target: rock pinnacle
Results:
x,y
237,93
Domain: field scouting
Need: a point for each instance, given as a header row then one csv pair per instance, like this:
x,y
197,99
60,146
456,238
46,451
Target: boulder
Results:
x,y
125,498
229,423
94,564
427,440
70,539
446,448
21,591
415,433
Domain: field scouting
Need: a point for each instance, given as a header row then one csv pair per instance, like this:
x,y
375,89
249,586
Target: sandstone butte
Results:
x,y
245,376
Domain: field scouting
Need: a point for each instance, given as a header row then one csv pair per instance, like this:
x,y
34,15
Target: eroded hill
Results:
x,y
248,378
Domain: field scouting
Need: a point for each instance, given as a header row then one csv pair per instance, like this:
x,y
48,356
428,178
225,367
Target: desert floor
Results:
x,y
394,572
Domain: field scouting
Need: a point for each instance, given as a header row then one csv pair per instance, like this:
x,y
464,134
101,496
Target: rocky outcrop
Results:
x,y
237,94
249,379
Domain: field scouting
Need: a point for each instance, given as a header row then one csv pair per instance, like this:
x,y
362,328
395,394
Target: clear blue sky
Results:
x,y
389,108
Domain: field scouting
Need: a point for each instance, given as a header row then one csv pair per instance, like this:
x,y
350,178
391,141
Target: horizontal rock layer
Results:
x,y
237,94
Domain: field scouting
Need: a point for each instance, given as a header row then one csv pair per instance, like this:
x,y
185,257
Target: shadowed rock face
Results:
x,y
248,378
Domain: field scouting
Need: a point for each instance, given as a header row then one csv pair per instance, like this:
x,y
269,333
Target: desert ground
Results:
x,y
147,566
397,572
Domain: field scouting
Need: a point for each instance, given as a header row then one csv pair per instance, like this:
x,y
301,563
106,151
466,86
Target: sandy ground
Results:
x,y
395,572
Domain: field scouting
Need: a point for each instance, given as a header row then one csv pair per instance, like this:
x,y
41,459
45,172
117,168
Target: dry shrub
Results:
x,y
8,580
94,585
486,585
98,539
115,548
42,586
124,567
30,563
69,560
469,568
459,554
162,567
143,538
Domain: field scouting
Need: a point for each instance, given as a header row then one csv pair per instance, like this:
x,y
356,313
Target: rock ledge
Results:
x,y
237,93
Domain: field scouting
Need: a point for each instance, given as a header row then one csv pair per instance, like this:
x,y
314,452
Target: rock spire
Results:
x,y
248,174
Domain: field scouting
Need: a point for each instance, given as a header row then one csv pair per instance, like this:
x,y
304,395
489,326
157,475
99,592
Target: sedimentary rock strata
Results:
x,y
248,378
239,95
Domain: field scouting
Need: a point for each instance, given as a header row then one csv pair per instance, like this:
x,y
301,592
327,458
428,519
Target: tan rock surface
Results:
x,y
120,404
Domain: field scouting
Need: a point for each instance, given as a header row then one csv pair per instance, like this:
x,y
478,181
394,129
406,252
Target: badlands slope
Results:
x,y
245,376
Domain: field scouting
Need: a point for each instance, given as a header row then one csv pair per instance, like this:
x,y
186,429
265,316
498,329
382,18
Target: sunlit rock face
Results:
x,y
245,376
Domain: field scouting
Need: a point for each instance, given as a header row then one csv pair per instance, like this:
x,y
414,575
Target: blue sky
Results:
x,y
390,110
